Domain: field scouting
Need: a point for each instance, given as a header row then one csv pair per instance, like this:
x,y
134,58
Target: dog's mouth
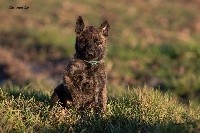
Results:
x,y
90,56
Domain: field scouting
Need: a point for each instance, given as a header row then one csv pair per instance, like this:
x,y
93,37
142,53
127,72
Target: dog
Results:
x,y
85,77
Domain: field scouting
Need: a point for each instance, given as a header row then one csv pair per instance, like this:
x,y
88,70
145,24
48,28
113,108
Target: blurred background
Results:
x,y
151,42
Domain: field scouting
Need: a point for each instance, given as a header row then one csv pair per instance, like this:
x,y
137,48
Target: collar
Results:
x,y
93,62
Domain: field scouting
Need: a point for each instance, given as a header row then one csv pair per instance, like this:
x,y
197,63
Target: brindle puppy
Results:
x,y
84,79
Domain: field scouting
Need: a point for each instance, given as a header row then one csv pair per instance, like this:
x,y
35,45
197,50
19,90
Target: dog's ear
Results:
x,y
79,25
105,26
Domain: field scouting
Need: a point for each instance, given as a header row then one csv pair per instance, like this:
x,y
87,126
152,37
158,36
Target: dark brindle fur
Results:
x,y
84,79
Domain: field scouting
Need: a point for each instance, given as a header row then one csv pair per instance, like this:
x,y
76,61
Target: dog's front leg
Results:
x,y
70,80
103,98
102,94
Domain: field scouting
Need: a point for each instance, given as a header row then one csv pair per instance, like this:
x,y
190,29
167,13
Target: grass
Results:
x,y
170,66
150,42
144,37
136,110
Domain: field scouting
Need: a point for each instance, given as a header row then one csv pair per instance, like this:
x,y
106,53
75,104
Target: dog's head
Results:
x,y
91,41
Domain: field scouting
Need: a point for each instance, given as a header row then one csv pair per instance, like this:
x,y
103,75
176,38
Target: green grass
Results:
x,y
137,110
153,43
147,40
174,66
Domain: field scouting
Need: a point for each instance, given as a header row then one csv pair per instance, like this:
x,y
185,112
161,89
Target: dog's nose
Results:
x,y
90,54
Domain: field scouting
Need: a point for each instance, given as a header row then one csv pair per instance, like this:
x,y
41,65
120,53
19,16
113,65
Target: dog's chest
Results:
x,y
89,77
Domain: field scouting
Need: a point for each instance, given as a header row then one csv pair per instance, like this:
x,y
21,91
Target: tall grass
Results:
x,y
137,110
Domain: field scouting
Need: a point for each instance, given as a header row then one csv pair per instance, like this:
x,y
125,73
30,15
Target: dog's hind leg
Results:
x,y
61,94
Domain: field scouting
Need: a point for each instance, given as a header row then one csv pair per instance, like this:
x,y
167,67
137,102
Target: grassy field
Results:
x,y
152,43
139,110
